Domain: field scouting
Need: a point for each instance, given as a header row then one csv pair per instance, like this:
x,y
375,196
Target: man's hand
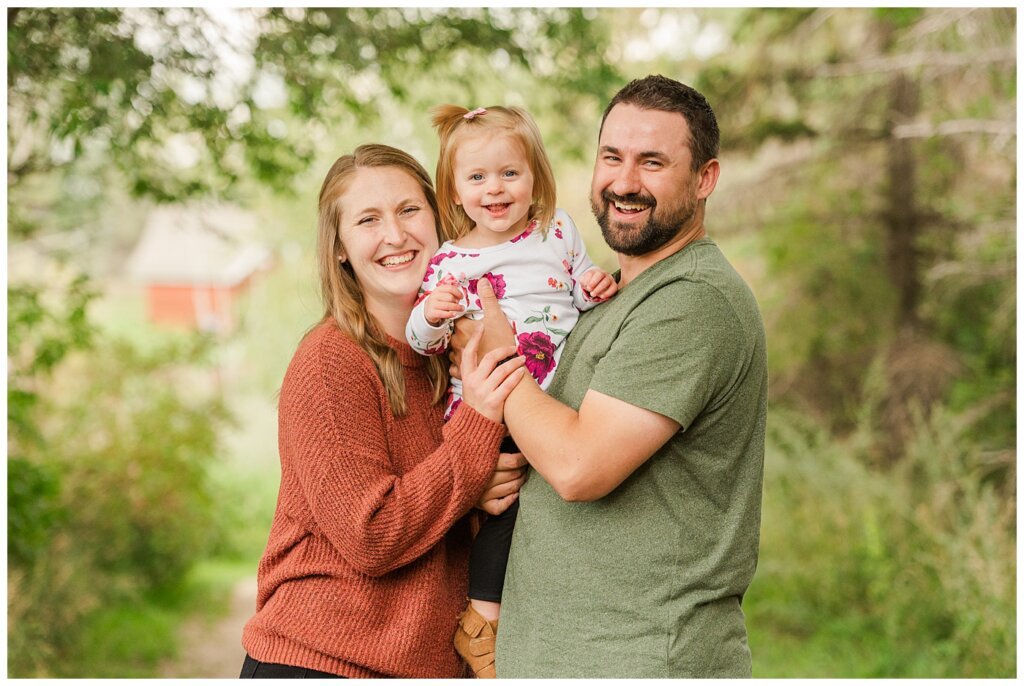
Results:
x,y
498,332
503,488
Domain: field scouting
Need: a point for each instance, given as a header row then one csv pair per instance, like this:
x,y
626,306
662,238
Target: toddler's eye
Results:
x,y
511,173
476,177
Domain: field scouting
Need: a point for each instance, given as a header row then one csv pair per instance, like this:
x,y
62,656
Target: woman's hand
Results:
x,y
503,488
486,384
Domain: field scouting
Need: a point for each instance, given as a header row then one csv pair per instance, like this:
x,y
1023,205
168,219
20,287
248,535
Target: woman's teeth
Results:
x,y
395,260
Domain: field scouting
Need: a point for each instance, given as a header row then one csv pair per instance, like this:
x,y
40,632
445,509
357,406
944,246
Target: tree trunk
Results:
x,y
903,221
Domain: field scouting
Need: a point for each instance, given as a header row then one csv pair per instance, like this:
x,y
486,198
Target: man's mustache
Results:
x,y
631,199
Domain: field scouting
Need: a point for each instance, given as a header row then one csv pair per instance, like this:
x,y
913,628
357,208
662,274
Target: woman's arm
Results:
x,y
379,516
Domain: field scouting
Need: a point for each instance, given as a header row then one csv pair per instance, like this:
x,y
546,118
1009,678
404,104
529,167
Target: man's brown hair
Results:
x,y
658,92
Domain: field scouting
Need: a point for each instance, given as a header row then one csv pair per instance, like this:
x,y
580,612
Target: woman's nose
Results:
x,y
393,232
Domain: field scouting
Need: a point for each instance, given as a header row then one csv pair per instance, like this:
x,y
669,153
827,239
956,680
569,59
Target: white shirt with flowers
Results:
x,y
534,277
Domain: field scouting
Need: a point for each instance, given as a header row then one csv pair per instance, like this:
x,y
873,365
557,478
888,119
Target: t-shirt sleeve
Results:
x,y
675,353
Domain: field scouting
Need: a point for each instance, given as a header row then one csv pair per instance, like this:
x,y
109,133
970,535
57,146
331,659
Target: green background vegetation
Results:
x,y
867,194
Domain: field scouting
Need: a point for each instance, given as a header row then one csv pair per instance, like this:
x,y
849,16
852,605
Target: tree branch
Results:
x,y
881,65
955,127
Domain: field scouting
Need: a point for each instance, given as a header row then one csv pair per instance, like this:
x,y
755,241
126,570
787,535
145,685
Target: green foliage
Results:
x,y
109,495
143,84
866,572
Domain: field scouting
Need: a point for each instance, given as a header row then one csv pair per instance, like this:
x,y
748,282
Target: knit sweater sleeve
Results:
x,y
378,516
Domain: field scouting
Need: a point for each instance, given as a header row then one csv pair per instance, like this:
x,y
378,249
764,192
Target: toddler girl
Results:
x,y
496,196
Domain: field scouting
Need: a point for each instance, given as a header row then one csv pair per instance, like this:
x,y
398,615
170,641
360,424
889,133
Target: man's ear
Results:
x,y
708,178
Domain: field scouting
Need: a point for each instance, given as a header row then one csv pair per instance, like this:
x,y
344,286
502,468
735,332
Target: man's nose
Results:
x,y
627,180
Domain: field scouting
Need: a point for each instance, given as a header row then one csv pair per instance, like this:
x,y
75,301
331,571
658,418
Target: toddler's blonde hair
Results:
x,y
453,126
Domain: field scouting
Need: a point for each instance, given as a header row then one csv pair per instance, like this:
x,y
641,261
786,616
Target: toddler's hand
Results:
x,y
444,302
598,284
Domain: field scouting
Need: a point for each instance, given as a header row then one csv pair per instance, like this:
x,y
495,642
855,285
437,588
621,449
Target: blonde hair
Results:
x,y
453,126
339,289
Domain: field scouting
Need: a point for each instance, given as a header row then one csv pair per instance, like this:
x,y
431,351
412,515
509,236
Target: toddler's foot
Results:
x,y
474,641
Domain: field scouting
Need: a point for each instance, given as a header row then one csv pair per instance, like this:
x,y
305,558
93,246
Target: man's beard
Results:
x,y
659,229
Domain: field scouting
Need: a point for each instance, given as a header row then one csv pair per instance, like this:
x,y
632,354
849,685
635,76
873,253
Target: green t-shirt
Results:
x,y
647,581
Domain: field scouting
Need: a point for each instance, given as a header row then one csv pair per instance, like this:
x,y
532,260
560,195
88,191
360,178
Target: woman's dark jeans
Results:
x,y
254,669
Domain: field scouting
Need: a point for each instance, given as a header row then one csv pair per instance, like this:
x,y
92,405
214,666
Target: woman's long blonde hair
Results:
x,y
342,296
452,126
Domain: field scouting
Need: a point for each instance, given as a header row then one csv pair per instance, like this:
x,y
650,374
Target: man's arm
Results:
x,y
583,455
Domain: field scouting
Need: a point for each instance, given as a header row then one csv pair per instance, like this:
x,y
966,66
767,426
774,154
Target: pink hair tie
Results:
x,y
470,115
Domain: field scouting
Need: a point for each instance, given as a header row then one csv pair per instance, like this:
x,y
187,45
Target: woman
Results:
x,y
364,573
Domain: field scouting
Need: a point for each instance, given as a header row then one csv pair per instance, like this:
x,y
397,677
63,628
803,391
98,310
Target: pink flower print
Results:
x,y
558,230
539,352
451,410
555,283
497,284
567,266
526,233
436,260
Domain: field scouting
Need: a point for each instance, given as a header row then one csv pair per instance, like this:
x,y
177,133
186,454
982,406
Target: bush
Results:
x,y
906,571
113,499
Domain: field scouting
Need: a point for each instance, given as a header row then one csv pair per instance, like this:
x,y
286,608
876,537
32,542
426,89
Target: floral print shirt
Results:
x,y
534,277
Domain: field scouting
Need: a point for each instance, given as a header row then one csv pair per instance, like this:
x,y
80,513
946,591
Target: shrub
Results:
x,y
901,571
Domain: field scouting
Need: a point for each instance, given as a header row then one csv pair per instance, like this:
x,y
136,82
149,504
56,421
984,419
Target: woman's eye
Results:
x,y
410,210
365,220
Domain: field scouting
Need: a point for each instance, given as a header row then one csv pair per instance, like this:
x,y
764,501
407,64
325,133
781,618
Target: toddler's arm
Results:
x,y
591,283
430,324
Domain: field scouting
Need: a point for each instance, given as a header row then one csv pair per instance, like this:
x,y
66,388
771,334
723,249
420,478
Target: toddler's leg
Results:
x,y
478,625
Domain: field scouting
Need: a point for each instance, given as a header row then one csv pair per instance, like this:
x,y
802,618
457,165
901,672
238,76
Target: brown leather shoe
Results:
x,y
474,641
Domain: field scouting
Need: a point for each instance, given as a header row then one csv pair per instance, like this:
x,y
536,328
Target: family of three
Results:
x,y
579,493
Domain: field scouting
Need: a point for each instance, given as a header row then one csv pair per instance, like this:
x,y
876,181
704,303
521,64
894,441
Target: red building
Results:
x,y
195,261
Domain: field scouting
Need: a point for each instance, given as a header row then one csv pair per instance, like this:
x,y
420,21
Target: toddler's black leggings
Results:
x,y
489,555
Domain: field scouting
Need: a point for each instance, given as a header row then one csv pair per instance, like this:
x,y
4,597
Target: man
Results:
x,y
638,535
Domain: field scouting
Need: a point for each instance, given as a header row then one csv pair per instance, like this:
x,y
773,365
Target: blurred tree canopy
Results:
x,y
185,102
885,202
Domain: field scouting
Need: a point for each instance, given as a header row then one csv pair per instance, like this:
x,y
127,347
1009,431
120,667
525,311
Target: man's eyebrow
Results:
x,y
656,154
646,154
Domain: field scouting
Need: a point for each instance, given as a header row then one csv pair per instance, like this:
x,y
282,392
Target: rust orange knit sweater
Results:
x,y
364,573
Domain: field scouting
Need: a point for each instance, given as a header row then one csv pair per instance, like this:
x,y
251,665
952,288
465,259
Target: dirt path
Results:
x,y
212,648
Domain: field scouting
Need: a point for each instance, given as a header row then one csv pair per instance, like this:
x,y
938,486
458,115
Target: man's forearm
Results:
x,y
547,433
